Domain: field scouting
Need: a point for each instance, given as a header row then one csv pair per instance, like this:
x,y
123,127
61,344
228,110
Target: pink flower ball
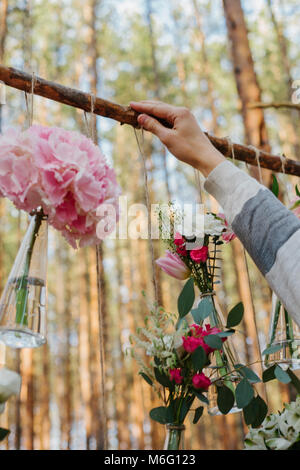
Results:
x,y
63,172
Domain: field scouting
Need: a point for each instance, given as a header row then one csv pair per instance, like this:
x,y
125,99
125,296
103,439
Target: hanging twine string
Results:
x,y
92,135
141,147
29,101
257,155
198,185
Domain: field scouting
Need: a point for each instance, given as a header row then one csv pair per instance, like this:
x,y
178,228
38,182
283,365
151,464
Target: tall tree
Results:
x,y
246,80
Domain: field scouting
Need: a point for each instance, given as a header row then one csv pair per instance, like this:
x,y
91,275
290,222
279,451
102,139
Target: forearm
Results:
x,y
267,229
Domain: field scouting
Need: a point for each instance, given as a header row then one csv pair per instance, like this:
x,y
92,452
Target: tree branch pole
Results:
x,y
276,105
125,115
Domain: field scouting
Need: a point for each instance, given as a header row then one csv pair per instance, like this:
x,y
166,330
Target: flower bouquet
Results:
x,y
61,178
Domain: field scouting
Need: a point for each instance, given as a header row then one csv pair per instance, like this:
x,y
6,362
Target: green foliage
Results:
x,y
294,379
214,341
255,412
269,374
243,393
281,375
275,186
162,415
247,373
3,433
199,358
146,378
235,315
198,414
186,298
204,309
225,399
163,379
272,349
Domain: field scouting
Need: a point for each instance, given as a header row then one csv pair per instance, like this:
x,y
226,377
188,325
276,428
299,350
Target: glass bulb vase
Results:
x,y
23,302
285,333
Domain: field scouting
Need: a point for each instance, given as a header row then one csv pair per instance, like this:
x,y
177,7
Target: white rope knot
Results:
x,y
283,163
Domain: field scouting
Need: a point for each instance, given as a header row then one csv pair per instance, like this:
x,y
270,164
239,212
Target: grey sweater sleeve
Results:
x,y
267,229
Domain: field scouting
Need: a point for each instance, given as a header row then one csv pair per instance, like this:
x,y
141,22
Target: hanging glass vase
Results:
x,y
222,363
174,437
285,333
23,302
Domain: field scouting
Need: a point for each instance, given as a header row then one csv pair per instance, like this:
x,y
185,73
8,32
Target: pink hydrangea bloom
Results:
x,y
62,171
173,265
200,381
175,374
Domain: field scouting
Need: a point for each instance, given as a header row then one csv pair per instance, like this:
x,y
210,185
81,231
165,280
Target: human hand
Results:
x,y
185,140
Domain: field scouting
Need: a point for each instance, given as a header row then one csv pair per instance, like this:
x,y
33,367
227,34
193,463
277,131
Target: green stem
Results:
x,y
289,331
22,282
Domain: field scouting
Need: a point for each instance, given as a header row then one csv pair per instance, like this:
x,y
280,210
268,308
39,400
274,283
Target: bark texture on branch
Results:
x,y
281,104
125,115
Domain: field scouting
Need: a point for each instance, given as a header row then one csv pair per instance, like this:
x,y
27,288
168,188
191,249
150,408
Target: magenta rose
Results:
x,y
175,374
200,381
199,255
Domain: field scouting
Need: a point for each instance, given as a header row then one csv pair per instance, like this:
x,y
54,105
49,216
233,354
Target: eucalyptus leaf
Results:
x,y
198,414
201,397
186,298
146,378
161,414
269,374
255,412
235,315
225,399
247,373
213,341
199,358
281,375
186,406
297,190
243,393
3,433
225,334
272,349
294,379
204,309
163,379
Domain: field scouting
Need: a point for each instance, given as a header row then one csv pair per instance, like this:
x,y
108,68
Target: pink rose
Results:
x,y
179,240
199,255
228,235
200,381
175,374
173,265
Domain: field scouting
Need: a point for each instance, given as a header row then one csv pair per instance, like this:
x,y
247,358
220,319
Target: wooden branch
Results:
x,y
125,115
276,105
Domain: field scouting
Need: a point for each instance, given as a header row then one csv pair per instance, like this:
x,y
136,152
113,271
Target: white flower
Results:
x,y
279,443
278,431
213,225
10,384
